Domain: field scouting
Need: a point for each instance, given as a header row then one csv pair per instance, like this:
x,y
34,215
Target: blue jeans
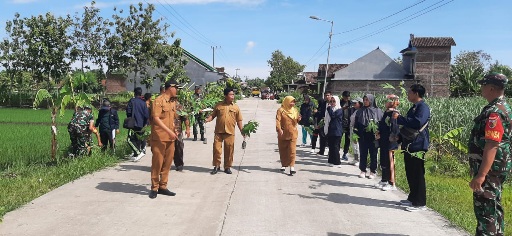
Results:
x,y
305,135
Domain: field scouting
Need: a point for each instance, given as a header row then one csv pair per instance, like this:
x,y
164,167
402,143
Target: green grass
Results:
x,y
452,197
22,184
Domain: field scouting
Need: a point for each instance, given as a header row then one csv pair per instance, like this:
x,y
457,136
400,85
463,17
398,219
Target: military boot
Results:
x,y
202,137
195,137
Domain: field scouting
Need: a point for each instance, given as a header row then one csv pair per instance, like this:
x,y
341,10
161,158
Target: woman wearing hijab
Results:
x,y
366,115
287,118
306,110
334,130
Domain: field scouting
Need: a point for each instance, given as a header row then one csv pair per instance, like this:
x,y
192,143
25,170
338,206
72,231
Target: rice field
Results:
x,y
26,137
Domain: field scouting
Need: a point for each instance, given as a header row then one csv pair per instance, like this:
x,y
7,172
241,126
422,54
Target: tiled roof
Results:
x,y
432,42
332,68
310,77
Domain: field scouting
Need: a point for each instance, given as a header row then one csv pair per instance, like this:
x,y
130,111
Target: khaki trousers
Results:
x,y
287,152
229,149
163,155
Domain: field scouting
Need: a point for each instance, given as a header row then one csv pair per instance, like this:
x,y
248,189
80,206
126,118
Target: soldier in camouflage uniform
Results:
x,y
198,117
80,128
490,155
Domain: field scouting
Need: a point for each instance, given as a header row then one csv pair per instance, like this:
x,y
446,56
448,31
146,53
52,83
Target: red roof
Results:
x,y
432,42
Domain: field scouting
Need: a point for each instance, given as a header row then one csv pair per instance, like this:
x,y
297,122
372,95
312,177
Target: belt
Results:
x,y
475,156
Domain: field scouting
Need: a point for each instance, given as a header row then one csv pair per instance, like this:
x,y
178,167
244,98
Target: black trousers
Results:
x,y
136,144
178,151
314,138
385,163
323,142
334,150
415,172
346,143
106,138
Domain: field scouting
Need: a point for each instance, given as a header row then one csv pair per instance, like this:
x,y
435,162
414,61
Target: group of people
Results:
x,y
361,122
370,128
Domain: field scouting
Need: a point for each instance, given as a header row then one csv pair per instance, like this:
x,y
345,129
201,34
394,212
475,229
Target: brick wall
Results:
x,y
115,84
433,70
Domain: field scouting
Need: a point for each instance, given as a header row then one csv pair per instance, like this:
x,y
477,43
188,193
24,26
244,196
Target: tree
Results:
x,y
47,47
13,52
507,71
138,40
467,69
284,70
256,82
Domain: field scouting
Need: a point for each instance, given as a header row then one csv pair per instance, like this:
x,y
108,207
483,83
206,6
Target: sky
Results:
x,y
240,35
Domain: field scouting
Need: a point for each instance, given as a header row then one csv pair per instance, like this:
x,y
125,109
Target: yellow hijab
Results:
x,y
290,110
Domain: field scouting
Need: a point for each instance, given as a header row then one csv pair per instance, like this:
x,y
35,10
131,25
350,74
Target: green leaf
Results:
x,y
249,128
42,95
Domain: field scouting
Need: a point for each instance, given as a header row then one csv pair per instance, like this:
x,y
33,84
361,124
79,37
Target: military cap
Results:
x,y
494,78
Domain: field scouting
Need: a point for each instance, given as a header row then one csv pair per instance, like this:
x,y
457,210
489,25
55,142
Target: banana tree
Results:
x,y
66,97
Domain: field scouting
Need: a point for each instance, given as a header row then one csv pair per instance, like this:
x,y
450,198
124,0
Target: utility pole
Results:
x,y
213,48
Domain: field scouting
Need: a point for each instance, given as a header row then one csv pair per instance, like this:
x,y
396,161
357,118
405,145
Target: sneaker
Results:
x,y
371,176
303,145
138,157
406,203
166,192
355,163
416,208
282,169
344,158
337,166
388,187
321,154
362,175
380,184
312,150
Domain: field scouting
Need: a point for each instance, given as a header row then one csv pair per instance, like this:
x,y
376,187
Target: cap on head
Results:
x,y
494,78
171,83
357,100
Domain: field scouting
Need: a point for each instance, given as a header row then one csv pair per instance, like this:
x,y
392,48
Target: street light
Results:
x,y
236,72
328,50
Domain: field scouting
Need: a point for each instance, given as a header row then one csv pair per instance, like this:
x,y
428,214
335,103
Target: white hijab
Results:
x,y
327,117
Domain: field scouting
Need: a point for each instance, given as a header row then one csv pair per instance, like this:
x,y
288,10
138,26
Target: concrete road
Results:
x,y
255,200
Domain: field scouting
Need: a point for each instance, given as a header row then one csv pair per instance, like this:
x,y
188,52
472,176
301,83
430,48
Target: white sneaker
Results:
x,y
303,145
388,187
371,176
330,165
354,163
416,208
362,175
337,166
138,157
312,150
380,184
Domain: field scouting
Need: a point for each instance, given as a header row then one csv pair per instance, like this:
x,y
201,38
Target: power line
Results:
x,y
313,57
175,25
395,24
185,23
381,19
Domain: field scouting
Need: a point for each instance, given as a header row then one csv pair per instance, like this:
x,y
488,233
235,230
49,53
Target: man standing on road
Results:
x,y
199,117
489,155
415,147
320,115
163,136
137,109
228,115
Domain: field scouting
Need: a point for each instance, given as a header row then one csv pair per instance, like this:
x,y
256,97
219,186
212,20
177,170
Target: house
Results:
x,y
426,60
199,72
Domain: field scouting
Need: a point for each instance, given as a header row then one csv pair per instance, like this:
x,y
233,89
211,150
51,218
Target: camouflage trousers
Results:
x,y
487,204
199,122
80,142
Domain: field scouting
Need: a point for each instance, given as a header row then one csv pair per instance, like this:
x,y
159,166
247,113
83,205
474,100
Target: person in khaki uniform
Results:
x,y
287,118
163,136
228,115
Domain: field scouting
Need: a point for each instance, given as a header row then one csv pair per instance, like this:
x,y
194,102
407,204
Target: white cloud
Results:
x,y
23,1
250,45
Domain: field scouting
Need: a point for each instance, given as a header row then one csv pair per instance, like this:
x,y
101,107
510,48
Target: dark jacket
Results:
x,y
322,104
306,110
347,112
388,127
335,125
109,124
138,109
417,116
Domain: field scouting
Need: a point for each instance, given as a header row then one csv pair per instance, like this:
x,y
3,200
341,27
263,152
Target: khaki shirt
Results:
x,y
227,115
287,125
166,110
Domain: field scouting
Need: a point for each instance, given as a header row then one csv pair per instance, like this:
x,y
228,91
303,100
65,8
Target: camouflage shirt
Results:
x,y
80,121
494,124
